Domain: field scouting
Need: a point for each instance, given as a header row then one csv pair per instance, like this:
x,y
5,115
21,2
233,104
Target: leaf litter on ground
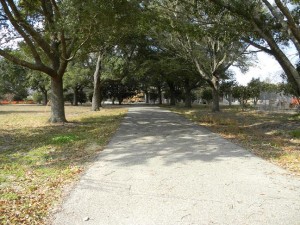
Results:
x,y
38,159
270,135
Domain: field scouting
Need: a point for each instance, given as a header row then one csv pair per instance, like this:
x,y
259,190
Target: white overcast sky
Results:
x,y
265,68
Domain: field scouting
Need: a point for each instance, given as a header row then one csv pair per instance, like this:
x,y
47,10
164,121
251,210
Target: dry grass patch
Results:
x,y
37,158
272,136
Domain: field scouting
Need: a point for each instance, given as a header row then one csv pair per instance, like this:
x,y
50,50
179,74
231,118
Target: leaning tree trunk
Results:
x,y
96,101
57,100
287,66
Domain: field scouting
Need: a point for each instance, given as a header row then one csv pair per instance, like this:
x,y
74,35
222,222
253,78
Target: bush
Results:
x,y
37,97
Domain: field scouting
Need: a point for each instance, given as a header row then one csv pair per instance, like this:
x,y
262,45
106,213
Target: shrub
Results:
x,y
37,97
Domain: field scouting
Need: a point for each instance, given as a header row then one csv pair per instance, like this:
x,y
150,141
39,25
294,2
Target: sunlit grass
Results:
x,y
37,158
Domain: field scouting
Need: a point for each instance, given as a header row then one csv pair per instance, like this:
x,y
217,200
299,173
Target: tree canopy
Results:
x,y
164,48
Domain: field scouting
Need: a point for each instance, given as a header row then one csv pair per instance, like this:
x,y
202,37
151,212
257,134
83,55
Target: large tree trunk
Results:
x,y
188,100
147,98
230,99
120,100
57,101
75,96
291,72
215,103
159,95
172,94
96,101
215,93
188,95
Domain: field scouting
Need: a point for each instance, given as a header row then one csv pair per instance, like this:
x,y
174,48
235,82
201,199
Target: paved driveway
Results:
x,y
161,169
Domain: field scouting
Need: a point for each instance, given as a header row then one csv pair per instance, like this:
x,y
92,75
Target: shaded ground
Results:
x,y
162,169
271,135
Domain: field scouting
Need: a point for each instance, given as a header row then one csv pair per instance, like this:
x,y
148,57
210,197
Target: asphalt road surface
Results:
x,y
161,169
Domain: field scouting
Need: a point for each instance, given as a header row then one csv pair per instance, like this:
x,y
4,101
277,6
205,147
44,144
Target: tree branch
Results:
x,y
33,66
26,26
262,48
292,25
48,14
21,32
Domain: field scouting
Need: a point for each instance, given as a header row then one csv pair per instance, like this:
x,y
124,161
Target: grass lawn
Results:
x,y
270,135
37,158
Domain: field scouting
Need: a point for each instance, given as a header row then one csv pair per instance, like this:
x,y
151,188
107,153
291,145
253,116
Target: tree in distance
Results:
x,y
41,36
199,32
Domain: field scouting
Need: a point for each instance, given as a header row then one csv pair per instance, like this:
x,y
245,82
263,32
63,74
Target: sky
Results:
x,y
266,67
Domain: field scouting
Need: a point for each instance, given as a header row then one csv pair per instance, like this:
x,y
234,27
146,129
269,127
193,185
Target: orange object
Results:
x,y
295,101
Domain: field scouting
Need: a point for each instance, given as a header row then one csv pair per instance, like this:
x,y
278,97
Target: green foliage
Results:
x,y
205,37
207,95
69,97
119,90
269,87
37,97
63,139
107,23
270,27
255,87
81,97
226,87
10,196
38,81
242,93
295,133
13,80
77,74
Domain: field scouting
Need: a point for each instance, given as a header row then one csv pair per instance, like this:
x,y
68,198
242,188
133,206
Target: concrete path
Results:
x,y
161,169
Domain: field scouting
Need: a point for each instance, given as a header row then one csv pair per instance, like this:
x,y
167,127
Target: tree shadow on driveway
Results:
x,y
148,133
